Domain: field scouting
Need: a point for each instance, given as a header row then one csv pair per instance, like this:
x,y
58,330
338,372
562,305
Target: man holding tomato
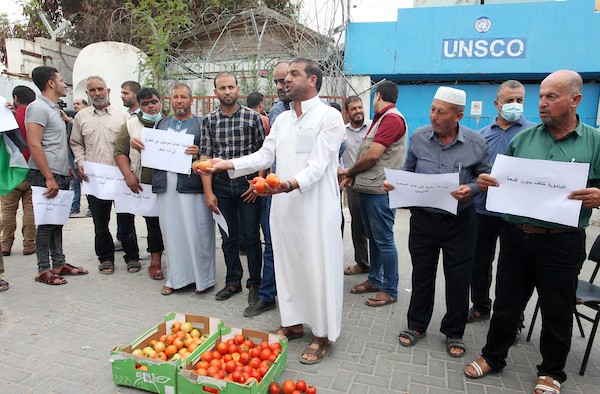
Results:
x,y
305,142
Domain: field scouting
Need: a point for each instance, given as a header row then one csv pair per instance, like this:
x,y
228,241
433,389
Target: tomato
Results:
x,y
222,373
301,385
201,372
296,392
207,356
247,369
255,362
274,388
272,358
273,180
260,186
239,339
230,366
160,346
265,354
143,368
170,350
263,369
243,378
180,335
311,390
178,343
257,179
244,358
192,346
264,345
249,343
275,346
288,387
222,348
169,339
187,327
204,165
211,390
255,352
217,355
212,371
176,327
236,376
227,357
243,348
235,356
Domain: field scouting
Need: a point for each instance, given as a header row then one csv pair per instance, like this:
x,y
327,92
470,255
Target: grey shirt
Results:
x,y
54,139
466,154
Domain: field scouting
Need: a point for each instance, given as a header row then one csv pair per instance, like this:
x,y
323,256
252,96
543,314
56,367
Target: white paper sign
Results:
x,y
142,203
7,119
537,189
164,150
422,190
51,210
104,181
220,219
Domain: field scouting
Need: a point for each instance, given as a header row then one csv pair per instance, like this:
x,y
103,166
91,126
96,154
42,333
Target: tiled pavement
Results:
x,y
57,339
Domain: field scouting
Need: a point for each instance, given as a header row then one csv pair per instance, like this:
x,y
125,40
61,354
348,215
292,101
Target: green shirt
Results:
x,y
581,145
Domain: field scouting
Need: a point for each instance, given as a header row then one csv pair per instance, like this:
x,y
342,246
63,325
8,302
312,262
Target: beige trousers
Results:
x,y
10,205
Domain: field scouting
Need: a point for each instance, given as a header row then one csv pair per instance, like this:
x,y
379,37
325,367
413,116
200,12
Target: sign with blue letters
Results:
x,y
483,48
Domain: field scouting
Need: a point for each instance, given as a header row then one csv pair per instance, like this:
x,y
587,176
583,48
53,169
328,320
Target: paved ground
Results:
x,y
57,339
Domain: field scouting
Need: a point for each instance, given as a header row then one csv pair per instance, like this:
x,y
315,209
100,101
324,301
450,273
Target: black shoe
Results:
x,y
252,295
226,292
259,307
518,335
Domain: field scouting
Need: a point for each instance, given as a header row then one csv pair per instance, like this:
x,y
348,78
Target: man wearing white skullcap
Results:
x,y
444,146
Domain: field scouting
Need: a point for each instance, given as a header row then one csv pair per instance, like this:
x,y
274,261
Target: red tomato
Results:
x,y
272,358
273,180
274,388
227,357
212,371
210,389
243,348
296,392
232,348
204,165
243,378
301,385
263,369
255,362
236,376
288,387
201,372
265,354
249,343
311,390
256,179
230,366
239,339
275,346
222,348
264,345
207,356
244,358
230,341
217,355
260,186
255,352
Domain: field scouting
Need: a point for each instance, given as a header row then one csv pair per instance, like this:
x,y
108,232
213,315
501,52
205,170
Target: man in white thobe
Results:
x,y
305,219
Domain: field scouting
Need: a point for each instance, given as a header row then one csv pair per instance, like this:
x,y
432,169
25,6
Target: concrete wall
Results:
x,y
23,56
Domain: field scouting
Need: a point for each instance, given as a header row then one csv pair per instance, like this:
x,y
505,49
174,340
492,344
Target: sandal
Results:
x,y
155,272
166,290
50,278
205,290
3,285
480,367
412,336
133,266
319,347
69,269
376,300
365,287
106,267
289,332
547,384
455,343
475,316
354,270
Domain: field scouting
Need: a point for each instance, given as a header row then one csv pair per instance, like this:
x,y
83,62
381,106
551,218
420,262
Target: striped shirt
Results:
x,y
230,137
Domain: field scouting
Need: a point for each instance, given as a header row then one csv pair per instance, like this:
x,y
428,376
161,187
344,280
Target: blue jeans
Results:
x,y
230,202
378,220
268,290
76,187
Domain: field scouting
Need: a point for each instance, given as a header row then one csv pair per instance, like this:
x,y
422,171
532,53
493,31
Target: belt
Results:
x,y
527,229
225,176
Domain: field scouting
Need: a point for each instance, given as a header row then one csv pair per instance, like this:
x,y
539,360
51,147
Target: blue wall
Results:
x,y
544,37
555,35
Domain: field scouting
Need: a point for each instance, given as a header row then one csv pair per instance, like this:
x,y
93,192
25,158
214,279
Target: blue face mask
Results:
x,y
152,118
512,111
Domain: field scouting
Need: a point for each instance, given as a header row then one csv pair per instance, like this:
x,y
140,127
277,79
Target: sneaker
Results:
x,y
258,308
145,256
118,245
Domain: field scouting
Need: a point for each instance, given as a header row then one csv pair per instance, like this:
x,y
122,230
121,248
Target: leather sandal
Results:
x,y
289,332
547,384
354,270
319,347
380,299
106,267
166,290
3,285
69,269
50,278
480,367
365,287
133,266
155,272
412,336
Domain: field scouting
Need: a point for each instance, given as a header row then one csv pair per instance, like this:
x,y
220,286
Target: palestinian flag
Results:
x,y
13,167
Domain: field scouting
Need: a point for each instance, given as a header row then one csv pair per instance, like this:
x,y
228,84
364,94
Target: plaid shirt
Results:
x,y
231,137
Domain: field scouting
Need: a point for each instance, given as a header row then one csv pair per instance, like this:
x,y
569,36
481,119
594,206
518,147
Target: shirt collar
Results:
x,y
350,127
307,104
109,110
519,122
578,129
460,136
239,108
51,103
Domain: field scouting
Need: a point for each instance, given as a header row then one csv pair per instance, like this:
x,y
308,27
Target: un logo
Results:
x,y
483,24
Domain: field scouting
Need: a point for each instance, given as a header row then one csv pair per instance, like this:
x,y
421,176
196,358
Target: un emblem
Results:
x,y
483,24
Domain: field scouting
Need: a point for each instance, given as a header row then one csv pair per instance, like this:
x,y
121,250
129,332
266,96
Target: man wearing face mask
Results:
x,y
129,162
510,122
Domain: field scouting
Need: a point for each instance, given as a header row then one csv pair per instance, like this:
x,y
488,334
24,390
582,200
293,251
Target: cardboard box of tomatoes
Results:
x,y
247,362
152,361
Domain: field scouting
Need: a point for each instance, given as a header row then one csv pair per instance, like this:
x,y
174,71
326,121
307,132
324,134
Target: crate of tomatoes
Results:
x,y
153,360
241,361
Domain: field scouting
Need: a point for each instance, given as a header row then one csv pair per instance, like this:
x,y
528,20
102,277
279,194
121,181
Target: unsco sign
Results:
x,y
484,48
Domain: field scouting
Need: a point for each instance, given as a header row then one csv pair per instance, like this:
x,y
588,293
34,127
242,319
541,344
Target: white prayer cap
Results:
x,y
451,95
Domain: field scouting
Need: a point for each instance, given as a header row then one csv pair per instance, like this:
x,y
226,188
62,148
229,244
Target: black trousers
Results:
x,y
155,242
488,231
103,242
455,237
550,263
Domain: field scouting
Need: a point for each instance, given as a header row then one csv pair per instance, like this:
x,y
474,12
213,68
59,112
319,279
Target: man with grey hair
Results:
x,y
95,129
540,254
509,122
444,146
